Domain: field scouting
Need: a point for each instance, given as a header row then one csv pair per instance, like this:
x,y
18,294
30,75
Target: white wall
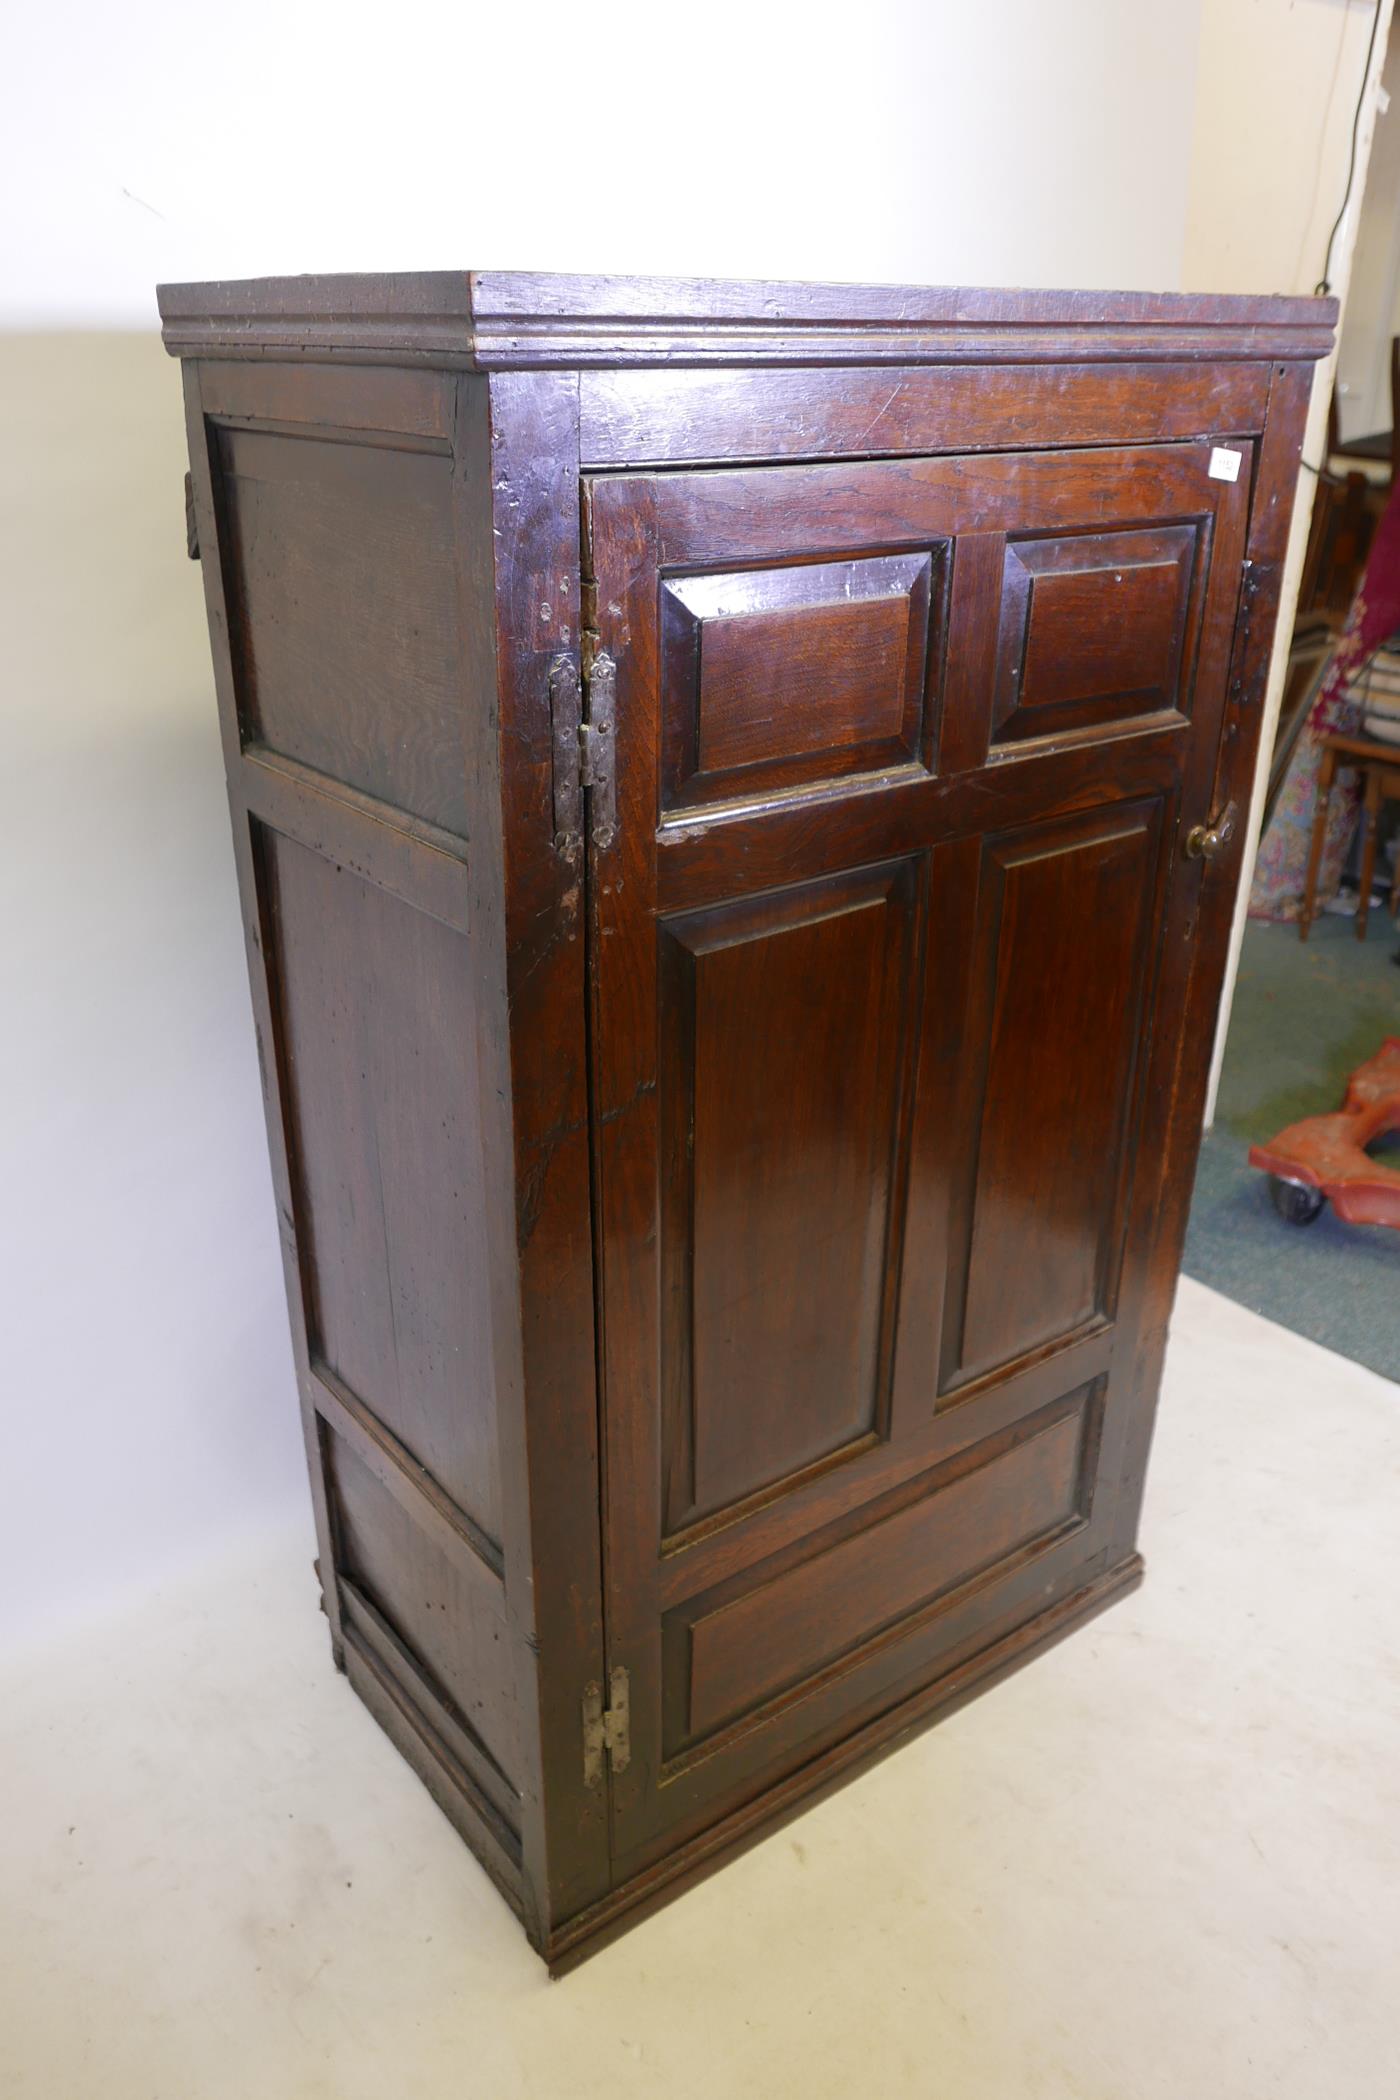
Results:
x,y
1373,294
147,1401
920,139
148,1397
1278,82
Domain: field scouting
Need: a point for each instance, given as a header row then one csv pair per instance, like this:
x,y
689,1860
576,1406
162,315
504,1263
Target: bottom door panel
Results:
x,y
772,1632
767,1676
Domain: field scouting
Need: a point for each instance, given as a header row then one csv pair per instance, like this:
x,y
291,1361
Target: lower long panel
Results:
x,y
872,1736
735,1652
1027,1531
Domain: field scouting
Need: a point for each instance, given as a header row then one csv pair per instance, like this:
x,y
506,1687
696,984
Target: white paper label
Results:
x,y
1224,464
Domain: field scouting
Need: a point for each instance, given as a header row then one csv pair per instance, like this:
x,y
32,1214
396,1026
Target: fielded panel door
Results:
x,y
889,948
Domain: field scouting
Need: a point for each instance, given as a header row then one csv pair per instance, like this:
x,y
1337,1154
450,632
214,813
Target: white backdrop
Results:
x,y
903,139
148,1399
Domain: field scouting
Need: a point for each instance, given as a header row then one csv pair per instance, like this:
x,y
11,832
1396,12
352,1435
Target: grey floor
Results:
x,y
1161,1862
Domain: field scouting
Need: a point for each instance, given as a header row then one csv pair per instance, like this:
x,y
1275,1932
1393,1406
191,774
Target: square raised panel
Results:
x,y
342,597
1093,629
777,677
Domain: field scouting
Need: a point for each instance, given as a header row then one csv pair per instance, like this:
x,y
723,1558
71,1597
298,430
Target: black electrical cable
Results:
x,y
1324,283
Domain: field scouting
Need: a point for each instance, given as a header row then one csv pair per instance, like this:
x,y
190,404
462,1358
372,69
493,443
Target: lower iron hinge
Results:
x,y
598,749
583,751
606,1729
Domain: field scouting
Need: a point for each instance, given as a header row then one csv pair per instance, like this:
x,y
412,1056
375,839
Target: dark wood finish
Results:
x,y
744,1645
1346,511
779,675
990,1074
495,320
777,1321
376,1015
320,540
1061,951
637,417
729,1241
871,1737
1092,628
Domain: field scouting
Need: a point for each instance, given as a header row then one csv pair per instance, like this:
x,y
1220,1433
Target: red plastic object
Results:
x,y
1328,1153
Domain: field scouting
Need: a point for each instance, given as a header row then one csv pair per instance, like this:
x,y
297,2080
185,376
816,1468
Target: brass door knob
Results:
x,y
1208,841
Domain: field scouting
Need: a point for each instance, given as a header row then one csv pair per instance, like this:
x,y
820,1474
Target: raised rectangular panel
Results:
x,y
773,677
769,1632
1060,964
448,1613
343,613
787,1036
782,683
375,1007
1093,629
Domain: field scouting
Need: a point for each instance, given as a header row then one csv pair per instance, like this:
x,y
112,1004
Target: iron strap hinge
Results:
x,y
1252,579
606,1729
583,749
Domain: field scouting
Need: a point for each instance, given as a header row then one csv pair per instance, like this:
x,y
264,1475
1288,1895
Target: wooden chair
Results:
x,y
1381,765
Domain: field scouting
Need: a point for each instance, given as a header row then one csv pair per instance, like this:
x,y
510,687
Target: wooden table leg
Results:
x,y
1371,824
1326,774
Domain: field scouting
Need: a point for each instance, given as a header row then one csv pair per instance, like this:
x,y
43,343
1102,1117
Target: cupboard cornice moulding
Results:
x,y
489,320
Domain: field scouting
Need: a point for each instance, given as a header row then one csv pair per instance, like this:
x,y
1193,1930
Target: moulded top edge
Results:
x,y
507,318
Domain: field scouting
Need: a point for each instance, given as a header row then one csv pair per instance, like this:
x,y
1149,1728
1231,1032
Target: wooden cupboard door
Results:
x,y
888,952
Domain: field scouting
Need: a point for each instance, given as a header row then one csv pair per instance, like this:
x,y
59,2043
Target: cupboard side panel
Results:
x,y
338,565
368,924
377,1021
202,483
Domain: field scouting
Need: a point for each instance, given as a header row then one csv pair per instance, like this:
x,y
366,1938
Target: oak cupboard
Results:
x,y
734,792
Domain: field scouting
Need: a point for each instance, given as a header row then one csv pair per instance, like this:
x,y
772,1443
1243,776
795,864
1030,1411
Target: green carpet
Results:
x,y
1305,1016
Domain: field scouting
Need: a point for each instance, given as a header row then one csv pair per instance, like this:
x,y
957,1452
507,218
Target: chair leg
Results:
x,y
1371,820
1326,774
